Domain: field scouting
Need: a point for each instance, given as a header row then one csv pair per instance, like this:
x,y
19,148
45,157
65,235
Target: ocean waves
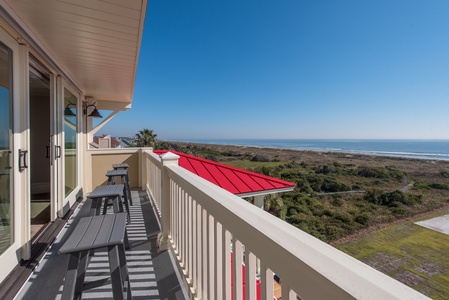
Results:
x,y
423,149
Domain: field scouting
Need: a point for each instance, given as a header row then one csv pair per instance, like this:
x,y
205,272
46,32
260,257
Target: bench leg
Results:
x,y
116,274
118,204
125,196
124,270
128,187
106,204
74,279
95,206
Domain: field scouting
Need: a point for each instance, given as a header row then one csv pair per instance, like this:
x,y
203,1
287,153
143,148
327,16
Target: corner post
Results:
x,y
168,159
259,201
143,170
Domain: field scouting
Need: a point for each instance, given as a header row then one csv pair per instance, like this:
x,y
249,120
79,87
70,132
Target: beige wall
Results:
x,y
102,162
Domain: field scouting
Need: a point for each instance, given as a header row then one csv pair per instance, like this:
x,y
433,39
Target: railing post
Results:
x,y
143,170
259,201
168,159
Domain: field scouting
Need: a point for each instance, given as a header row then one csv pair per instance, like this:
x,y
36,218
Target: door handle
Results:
x,y
23,164
48,152
58,151
9,166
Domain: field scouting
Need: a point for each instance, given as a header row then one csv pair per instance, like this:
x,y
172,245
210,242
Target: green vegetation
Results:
x,y
412,254
146,138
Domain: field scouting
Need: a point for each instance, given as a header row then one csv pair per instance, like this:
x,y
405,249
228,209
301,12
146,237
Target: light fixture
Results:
x,y
95,113
68,111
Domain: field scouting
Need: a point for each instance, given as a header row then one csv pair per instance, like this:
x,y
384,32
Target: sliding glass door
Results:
x,y
70,142
6,150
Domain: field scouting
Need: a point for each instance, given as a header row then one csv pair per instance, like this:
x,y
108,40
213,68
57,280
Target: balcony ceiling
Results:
x,y
96,42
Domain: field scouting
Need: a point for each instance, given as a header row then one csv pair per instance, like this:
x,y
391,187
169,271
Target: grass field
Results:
x,y
412,254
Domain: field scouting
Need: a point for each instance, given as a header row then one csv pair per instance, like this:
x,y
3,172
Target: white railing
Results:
x,y
153,166
218,238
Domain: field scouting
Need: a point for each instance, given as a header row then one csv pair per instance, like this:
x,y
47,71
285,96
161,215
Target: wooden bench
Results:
x,y
123,174
106,193
92,233
123,166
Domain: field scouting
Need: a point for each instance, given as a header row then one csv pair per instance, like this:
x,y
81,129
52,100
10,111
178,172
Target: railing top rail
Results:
x,y
153,156
301,260
113,150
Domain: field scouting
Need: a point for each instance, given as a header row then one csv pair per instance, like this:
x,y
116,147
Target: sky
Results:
x,y
296,69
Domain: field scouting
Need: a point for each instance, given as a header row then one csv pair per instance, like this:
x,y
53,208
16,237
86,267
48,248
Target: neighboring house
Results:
x,y
128,142
105,141
59,60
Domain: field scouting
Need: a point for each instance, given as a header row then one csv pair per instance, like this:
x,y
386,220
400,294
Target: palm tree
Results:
x,y
146,138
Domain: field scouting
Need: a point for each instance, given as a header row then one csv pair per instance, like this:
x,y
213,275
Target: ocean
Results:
x,y
424,149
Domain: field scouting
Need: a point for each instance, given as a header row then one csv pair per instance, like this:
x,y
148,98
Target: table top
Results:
x,y
107,191
96,232
117,166
116,173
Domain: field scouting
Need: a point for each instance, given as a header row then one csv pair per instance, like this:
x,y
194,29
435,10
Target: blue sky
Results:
x,y
292,69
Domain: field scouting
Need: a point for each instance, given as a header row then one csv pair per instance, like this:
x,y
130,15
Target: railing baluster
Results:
x,y
199,251
287,292
218,282
250,273
182,224
237,268
173,196
194,246
226,263
266,283
212,257
178,222
205,251
190,239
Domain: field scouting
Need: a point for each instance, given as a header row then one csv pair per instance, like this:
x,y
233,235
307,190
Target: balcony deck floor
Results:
x,y
152,274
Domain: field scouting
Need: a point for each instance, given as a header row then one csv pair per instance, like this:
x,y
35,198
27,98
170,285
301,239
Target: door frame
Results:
x,y
20,194
36,64
65,202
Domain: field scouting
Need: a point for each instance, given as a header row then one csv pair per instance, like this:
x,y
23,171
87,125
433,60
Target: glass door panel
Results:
x,y
6,201
70,144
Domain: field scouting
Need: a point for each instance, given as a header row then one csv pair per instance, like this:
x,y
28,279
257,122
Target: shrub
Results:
x,y
362,219
337,201
333,232
343,218
439,186
261,158
213,157
400,211
331,185
326,169
445,174
380,173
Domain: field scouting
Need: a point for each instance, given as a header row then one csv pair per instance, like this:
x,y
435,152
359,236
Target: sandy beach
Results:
x,y
426,167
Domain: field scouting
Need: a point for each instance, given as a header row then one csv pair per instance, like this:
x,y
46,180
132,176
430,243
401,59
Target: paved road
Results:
x,y
407,187
440,224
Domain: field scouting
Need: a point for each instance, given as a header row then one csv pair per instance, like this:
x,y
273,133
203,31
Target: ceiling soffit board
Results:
x,y
96,41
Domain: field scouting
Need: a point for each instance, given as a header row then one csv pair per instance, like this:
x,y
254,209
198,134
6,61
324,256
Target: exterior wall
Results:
x,y
25,139
104,143
102,161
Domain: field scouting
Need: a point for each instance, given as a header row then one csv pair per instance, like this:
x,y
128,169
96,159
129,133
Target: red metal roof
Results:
x,y
234,180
